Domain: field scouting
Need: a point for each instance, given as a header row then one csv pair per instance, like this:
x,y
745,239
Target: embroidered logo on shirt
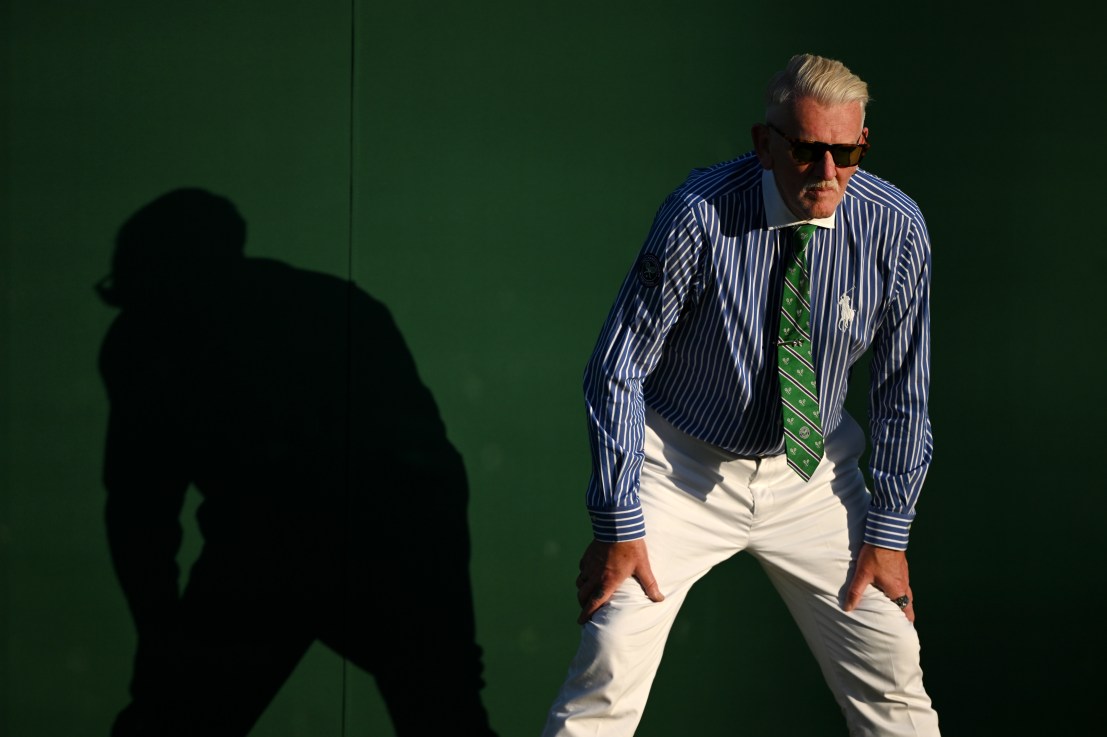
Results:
x,y
649,270
845,312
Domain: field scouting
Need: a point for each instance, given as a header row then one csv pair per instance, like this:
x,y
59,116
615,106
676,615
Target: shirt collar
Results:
x,y
777,214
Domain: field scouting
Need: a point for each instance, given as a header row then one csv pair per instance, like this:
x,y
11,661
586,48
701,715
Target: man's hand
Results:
x,y
886,570
606,565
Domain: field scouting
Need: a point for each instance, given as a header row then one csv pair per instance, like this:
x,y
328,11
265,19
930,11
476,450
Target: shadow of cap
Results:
x,y
170,243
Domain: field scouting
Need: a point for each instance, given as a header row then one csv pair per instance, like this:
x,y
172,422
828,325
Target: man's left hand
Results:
x,y
886,570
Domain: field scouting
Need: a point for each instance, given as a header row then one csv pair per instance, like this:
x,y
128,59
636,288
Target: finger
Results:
x,y
593,589
590,577
909,610
591,604
906,603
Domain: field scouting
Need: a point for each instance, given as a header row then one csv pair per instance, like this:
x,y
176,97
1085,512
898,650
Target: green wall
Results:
x,y
488,170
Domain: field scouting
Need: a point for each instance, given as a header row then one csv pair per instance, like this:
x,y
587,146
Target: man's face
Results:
x,y
811,190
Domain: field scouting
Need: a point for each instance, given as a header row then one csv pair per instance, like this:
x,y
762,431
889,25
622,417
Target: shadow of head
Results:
x,y
172,245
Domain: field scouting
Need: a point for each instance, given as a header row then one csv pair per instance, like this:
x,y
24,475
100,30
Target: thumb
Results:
x,y
648,582
857,586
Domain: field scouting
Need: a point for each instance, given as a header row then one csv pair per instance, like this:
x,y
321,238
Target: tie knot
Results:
x,y
802,235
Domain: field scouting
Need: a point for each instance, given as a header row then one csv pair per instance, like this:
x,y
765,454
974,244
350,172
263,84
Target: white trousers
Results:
x,y
702,506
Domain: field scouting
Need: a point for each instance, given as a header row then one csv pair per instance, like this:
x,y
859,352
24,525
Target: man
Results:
x,y
715,400
290,401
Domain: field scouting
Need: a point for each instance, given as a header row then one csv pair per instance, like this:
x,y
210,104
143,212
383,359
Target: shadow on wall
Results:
x,y
334,507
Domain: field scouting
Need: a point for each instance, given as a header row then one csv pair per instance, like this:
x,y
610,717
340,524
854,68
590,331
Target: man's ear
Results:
x,y
760,134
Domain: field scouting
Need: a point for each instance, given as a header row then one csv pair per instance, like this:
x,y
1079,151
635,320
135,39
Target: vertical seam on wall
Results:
x,y
349,352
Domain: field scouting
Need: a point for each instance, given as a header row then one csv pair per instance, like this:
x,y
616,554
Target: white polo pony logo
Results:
x,y
845,312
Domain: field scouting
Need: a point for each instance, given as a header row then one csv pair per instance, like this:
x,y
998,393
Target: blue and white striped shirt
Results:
x,y
692,335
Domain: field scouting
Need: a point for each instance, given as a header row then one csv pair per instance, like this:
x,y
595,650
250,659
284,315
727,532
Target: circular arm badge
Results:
x,y
649,270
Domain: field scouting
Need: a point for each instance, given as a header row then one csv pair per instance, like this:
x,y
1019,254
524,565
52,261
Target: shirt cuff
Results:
x,y
618,525
886,529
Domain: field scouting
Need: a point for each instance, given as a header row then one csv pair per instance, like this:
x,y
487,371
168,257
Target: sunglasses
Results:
x,y
807,152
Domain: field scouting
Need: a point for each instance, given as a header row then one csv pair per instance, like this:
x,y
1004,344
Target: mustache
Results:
x,y
830,184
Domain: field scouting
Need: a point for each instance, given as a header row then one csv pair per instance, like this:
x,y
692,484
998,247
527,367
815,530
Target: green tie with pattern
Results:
x,y
799,389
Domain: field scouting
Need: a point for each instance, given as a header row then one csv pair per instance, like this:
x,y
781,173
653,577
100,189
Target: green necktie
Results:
x,y
799,386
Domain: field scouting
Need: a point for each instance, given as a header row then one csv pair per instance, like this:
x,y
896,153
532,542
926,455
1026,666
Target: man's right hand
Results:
x,y
606,565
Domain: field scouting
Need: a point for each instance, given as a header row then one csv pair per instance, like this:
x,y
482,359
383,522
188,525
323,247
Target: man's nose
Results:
x,y
829,170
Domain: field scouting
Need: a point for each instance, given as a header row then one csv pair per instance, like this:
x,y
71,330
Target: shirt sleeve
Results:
x,y
630,344
900,375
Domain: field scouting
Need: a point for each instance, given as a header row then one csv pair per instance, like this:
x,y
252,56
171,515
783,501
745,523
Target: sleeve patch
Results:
x,y
649,270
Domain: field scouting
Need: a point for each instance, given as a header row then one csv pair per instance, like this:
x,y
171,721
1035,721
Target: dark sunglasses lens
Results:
x,y
805,152
844,155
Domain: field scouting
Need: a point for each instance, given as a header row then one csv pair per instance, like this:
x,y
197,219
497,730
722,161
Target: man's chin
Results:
x,y
819,205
